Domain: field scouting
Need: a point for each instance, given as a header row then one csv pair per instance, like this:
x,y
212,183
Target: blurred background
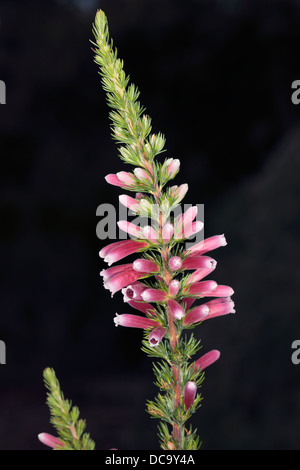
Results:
x,y
215,76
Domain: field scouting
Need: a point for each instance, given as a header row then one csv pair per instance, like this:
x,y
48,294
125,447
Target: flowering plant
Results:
x,y
166,279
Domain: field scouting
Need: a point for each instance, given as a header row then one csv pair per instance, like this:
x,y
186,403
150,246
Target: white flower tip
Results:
x,y
223,240
116,320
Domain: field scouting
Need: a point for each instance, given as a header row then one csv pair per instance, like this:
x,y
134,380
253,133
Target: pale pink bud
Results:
x,y
201,289
130,228
207,359
134,321
119,250
191,229
150,234
167,232
145,266
174,287
156,335
129,202
176,310
175,263
206,245
183,220
154,295
110,272
114,180
126,178
180,191
172,167
50,441
196,315
133,291
190,391
121,280
141,174
197,262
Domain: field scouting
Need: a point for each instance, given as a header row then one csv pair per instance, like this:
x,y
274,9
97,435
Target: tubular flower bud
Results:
x,y
145,265
190,391
144,307
130,228
219,307
222,291
50,441
142,174
133,291
110,272
174,287
201,289
197,262
121,280
176,310
119,250
178,192
126,178
150,234
156,335
191,229
129,202
207,359
183,220
175,263
167,232
135,321
200,274
196,315
170,167
154,295
206,245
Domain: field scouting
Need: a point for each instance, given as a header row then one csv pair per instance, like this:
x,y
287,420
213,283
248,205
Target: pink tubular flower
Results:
x,y
145,265
183,220
122,179
133,291
157,335
110,272
188,302
200,274
176,310
206,245
222,291
135,321
207,359
174,287
203,288
178,192
196,315
119,250
197,262
144,307
190,391
154,295
170,167
50,441
129,202
121,280
175,263
219,307
130,228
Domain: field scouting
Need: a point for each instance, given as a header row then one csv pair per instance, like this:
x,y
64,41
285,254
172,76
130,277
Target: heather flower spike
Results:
x,y
165,279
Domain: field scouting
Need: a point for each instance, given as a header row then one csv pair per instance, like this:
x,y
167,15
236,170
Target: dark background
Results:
x,y
215,76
